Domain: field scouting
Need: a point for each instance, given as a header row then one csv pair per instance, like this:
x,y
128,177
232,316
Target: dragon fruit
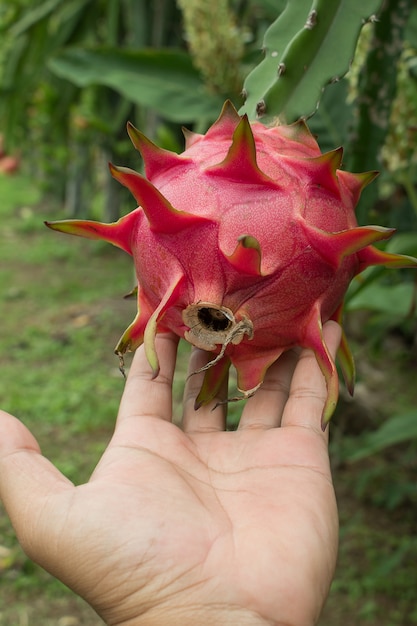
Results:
x,y
244,245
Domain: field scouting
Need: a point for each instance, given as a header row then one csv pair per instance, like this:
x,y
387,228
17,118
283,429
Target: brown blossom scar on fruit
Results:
x,y
211,325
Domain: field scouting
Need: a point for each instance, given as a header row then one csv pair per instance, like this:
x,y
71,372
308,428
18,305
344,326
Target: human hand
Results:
x,y
192,526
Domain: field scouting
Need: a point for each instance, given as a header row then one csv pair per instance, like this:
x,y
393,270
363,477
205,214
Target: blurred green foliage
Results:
x,y
84,67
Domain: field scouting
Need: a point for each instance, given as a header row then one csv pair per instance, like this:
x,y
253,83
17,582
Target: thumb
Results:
x,y
27,479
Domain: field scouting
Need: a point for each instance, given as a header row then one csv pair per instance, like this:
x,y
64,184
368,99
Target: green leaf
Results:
x,y
34,16
307,47
392,299
403,243
332,120
397,429
378,85
164,80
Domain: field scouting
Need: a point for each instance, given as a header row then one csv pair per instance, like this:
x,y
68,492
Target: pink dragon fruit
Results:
x,y
244,245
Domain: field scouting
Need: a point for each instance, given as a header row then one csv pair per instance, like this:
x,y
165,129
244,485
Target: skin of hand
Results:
x,y
193,525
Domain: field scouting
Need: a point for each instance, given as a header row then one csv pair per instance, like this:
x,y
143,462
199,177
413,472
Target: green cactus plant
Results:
x,y
215,42
376,91
300,56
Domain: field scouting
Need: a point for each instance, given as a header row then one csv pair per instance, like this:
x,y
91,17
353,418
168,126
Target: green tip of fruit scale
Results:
x,y
323,170
214,379
347,363
372,256
156,160
161,215
190,137
314,340
240,163
300,132
132,338
225,124
170,298
356,183
334,247
344,354
246,258
118,233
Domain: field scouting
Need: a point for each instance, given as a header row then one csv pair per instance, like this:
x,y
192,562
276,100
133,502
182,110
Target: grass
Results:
x,y
62,313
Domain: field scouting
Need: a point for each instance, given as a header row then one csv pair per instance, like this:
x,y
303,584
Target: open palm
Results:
x,y
192,525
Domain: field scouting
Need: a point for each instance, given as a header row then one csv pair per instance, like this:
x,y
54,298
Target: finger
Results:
x,y
28,482
265,408
308,391
145,396
208,417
